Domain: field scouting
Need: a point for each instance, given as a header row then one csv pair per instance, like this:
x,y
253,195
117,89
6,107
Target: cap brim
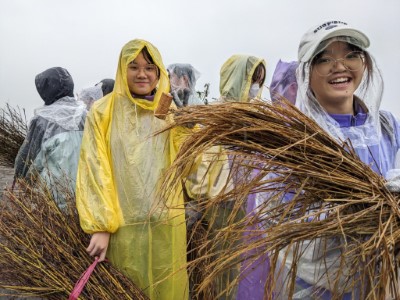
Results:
x,y
349,32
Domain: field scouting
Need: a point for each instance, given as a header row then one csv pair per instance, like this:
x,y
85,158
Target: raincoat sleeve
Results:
x,y
96,197
30,147
210,175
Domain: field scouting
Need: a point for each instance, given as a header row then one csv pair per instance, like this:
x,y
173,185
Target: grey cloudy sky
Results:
x,y
86,37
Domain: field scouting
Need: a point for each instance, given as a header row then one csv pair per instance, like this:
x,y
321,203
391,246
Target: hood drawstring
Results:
x,y
136,121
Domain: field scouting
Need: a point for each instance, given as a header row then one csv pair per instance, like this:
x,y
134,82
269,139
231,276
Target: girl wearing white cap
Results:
x,y
341,88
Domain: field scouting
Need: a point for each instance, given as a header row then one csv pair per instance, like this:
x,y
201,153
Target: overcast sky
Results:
x,y
86,37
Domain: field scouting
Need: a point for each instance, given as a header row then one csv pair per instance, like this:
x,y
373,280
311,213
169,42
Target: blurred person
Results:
x,y
99,90
90,95
52,144
283,83
107,85
183,78
242,78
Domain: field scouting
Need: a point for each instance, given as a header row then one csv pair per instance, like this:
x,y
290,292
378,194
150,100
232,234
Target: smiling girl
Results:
x,y
341,88
121,163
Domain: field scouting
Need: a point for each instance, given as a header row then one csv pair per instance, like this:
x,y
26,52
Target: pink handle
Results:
x,y
82,281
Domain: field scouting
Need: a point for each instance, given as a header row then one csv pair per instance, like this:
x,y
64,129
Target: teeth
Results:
x,y
340,80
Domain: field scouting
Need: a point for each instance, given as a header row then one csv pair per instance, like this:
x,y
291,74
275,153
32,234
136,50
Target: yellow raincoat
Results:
x,y
118,176
236,74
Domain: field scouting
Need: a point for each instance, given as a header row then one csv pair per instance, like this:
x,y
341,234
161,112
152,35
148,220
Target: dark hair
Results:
x,y
149,59
259,74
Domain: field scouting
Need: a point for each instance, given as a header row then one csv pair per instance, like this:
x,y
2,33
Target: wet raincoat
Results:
x,y
120,168
51,147
375,136
235,77
183,78
283,82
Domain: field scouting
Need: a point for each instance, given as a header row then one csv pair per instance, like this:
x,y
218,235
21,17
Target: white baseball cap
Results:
x,y
317,34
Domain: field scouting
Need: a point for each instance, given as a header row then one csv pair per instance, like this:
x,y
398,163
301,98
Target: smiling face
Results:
x,y
142,76
335,91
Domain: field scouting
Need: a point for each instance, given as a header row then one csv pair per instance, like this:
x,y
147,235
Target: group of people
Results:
x,y
109,148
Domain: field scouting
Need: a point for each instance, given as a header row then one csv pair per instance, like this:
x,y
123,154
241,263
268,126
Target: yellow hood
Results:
x,y
236,74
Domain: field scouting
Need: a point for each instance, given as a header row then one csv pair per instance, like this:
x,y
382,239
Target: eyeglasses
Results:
x,y
353,61
149,69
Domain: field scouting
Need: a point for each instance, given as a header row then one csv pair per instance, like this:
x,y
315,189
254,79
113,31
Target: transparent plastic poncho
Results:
x,y
319,262
183,78
90,95
371,95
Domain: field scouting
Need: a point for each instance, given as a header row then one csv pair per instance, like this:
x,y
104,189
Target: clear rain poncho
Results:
x,y
119,174
183,78
283,83
51,147
365,138
235,77
91,94
376,145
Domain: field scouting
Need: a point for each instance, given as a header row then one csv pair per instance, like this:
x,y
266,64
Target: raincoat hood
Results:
x,y
183,78
236,74
128,53
107,85
122,163
90,95
53,84
369,94
283,83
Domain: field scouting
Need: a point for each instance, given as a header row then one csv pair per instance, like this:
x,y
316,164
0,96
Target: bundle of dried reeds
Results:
x,y
42,249
336,202
13,128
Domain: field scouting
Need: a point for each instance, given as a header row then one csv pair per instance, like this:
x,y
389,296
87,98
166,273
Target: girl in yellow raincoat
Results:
x,y
119,173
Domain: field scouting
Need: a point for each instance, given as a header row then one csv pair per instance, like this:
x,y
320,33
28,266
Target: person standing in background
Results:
x,y
51,147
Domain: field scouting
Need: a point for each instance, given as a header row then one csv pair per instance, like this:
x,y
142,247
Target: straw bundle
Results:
x,y
336,201
13,128
42,249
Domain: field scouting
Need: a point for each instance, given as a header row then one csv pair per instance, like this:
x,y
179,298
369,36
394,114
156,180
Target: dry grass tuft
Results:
x,y
337,201
42,249
13,129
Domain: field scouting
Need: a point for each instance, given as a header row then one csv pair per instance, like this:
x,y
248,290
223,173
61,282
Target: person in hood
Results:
x,y
90,95
183,78
121,165
340,87
284,83
51,147
107,85
242,78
